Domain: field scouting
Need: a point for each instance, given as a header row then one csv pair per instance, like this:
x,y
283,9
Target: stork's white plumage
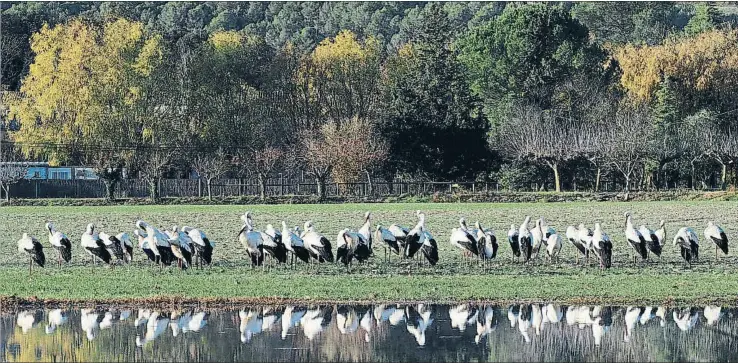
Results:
x,y
252,243
513,238
716,234
320,248
202,245
486,242
95,246
294,244
525,239
572,235
553,246
661,233
365,230
602,246
463,239
125,241
635,239
389,241
61,244
652,241
538,238
415,238
31,246
143,244
688,244
113,245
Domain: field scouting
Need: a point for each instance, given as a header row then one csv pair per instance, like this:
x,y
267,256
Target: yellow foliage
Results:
x,y
81,76
225,41
709,60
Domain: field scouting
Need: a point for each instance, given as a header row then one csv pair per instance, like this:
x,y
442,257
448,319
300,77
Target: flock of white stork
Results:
x,y
188,243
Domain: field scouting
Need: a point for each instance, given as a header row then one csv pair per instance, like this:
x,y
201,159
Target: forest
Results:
x,y
560,95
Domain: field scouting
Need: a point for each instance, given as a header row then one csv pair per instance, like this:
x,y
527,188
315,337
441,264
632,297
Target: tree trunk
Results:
x,y
627,183
693,179
110,189
154,189
557,178
597,179
209,187
320,182
370,190
262,187
723,175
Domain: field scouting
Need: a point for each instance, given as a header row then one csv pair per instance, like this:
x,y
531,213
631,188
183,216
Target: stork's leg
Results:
x,y
716,253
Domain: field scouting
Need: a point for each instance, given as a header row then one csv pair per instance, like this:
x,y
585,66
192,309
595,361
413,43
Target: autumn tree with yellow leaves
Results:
x,y
82,98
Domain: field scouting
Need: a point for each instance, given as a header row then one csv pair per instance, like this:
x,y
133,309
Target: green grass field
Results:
x,y
452,279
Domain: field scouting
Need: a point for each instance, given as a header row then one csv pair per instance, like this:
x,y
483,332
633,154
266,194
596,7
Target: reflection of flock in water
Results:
x,y
151,323
529,319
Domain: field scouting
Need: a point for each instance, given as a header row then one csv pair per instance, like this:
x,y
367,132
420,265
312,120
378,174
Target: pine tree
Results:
x,y
436,127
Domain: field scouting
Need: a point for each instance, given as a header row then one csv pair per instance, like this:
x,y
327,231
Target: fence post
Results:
x,y
281,184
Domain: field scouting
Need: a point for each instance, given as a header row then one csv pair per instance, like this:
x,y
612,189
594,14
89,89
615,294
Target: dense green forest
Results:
x,y
563,95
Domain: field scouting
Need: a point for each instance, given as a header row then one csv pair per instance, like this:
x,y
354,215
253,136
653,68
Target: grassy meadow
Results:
x,y
452,279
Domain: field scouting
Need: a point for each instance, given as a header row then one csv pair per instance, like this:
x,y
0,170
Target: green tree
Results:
x,y
527,53
434,124
705,18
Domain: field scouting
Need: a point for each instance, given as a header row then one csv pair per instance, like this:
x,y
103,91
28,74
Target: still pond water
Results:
x,y
397,333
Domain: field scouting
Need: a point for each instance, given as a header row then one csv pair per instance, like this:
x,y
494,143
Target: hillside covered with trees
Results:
x,y
556,94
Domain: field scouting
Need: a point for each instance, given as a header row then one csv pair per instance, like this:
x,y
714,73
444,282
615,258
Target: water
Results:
x,y
372,333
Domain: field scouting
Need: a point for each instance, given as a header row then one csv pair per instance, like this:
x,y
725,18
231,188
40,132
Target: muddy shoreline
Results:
x,y
13,303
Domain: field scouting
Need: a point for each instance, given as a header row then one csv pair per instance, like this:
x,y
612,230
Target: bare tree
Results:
x,y
624,142
261,162
211,165
542,137
11,173
153,162
319,158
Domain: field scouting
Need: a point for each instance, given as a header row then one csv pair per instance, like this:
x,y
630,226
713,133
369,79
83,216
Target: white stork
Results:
x,y
513,237
319,247
525,239
462,239
365,230
486,242
414,239
572,235
95,246
389,241
688,244
61,244
716,234
294,244
553,246
203,247
652,240
635,239
31,246
602,246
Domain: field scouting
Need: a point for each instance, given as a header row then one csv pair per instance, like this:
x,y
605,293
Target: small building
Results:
x,y
42,171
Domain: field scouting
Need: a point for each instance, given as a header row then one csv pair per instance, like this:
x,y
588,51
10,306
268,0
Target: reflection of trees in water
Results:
x,y
373,333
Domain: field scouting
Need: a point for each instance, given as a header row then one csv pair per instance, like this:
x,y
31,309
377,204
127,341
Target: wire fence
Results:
x,y
181,188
